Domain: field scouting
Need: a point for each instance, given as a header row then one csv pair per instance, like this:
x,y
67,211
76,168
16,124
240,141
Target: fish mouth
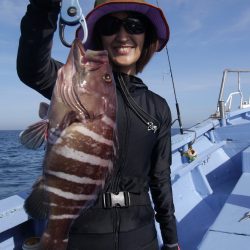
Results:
x,y
88,60
80,47
79,53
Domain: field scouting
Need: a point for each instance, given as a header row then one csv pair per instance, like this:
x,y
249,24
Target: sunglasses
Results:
x,y
110,25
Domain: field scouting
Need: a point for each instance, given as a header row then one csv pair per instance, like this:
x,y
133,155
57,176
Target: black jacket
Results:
x,y
144,156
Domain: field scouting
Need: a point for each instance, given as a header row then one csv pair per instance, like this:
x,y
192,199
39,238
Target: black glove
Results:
x,y
48,5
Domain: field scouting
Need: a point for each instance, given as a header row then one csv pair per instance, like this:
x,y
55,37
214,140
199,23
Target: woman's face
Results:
x,y
124,49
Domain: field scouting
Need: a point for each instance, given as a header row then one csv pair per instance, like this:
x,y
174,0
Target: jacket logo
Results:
x,y
152,127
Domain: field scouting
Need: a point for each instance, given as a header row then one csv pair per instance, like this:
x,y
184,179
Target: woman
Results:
x,y
131,31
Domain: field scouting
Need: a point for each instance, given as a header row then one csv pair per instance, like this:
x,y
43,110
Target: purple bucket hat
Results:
x,y
104,7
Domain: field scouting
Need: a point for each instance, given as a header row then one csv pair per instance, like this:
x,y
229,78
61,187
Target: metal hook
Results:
x,y
71,15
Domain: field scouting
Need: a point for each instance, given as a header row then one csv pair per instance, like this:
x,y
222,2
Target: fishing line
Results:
x,y
173,84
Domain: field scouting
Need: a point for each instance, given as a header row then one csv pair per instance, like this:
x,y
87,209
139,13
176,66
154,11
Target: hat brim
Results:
x,y
153,13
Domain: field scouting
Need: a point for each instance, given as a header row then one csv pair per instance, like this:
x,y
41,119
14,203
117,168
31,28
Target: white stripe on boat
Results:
x,y
81,156
68,195
74,178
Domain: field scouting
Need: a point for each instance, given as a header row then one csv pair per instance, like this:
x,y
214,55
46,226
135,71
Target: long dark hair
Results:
x,y
150,42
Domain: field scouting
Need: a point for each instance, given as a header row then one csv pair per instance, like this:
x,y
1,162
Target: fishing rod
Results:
x,y
71,14
175,96
173,84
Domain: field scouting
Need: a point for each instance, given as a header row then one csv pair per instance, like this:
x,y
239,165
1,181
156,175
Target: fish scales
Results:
x,y
70,186
87,142
82,141
94,172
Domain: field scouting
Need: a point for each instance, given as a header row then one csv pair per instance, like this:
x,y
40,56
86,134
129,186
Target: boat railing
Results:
x,y
226,106
228,103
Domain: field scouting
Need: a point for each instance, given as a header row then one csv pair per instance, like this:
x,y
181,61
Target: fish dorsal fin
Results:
x,y
43,110
33,137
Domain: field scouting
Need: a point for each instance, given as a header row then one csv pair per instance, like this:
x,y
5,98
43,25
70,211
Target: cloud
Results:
x,y
187,16
192,24
243,22
234,30
11,11
177,3
204,23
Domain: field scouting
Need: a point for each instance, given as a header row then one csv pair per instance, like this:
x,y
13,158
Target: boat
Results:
x,y
210,176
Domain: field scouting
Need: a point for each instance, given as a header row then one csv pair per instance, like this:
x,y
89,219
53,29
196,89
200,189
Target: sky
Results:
x,y
206,36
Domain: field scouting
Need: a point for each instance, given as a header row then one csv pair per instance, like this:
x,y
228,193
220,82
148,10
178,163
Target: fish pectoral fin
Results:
x,y
33,137
43,110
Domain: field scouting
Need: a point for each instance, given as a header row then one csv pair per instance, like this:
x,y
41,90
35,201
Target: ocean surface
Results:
x,y
19,167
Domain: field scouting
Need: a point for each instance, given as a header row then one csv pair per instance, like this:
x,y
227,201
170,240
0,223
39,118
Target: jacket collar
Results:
x,y
132,82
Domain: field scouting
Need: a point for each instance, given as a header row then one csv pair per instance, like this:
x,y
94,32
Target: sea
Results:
x,y
19,166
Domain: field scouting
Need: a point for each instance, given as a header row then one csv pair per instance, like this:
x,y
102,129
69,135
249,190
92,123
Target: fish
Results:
x,y
79,128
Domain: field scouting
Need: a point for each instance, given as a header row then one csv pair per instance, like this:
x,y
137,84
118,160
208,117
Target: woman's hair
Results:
x,y
150,43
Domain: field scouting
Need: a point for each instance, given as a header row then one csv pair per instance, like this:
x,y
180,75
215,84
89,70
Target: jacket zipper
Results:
x,y
117,228
146,119
114,185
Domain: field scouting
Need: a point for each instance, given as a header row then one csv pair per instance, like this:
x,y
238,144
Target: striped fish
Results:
x,y
80,126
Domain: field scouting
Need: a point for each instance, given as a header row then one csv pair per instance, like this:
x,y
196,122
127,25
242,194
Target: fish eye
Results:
x,y
107,78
